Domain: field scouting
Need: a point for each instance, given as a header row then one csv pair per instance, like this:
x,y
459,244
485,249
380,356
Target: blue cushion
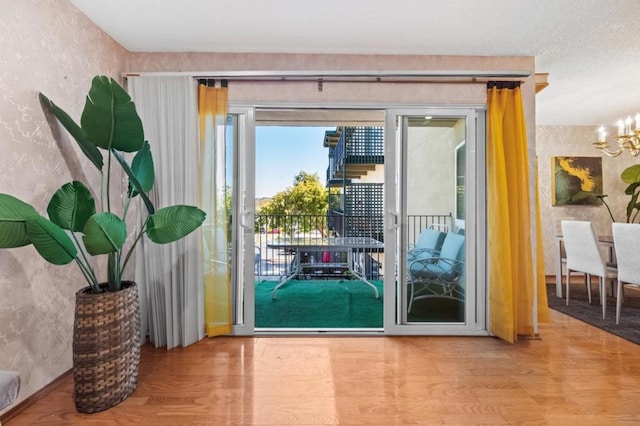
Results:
x,y
443,268
430,239
453,245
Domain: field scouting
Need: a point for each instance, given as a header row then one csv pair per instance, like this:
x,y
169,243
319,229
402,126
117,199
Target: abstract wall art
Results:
x,y
576,181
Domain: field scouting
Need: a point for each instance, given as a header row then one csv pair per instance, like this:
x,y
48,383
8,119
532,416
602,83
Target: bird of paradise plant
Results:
x,y
109,124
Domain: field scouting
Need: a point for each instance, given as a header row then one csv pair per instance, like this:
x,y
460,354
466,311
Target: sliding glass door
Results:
x,y
435,222
428,224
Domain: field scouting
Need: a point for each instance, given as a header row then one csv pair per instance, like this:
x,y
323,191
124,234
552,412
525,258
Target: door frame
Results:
x,y
243,262
242,234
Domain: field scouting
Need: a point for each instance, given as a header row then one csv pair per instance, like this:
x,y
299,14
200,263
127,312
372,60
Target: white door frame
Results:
x,y
244,217
243,262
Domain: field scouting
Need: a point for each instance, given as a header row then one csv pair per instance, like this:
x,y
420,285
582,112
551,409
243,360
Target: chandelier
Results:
x,y
626,139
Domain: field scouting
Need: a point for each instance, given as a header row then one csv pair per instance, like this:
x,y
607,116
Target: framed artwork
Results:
x,y
576,181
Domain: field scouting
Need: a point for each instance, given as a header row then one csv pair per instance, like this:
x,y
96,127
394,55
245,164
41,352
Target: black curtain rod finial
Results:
x,y
210,82
503,84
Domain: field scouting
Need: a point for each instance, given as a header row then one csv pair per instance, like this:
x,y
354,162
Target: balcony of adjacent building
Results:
x,y
354,153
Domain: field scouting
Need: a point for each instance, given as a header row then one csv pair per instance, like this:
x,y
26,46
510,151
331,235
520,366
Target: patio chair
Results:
x,y
257,258
583,255
441,275
429,243
626,240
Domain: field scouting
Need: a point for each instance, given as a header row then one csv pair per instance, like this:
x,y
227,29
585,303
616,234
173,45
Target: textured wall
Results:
x,y
552,141
434,94
45,46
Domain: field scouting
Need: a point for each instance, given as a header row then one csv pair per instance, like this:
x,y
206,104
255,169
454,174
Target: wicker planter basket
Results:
x,y
106,347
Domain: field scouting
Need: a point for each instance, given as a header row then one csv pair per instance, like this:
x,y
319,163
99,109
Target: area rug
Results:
x,y
579,308
339,304
319,304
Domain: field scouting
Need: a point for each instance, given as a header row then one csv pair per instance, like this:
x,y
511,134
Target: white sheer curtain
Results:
x,y
170,277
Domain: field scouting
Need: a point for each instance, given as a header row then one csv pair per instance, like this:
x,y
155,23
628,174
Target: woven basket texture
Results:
x,y
106,347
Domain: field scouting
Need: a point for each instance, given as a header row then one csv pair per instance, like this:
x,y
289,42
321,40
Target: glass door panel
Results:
x,y
432,222
434,229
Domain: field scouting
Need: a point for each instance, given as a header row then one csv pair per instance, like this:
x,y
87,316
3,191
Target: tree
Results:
x,y
302,207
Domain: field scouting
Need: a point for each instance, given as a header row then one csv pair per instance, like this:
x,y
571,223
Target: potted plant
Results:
x,y
630,176
106,340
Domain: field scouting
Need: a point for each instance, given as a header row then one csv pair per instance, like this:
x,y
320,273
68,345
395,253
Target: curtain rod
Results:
x,y
346,76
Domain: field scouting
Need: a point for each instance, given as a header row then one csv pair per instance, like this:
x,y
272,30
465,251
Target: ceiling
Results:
x,y
589,48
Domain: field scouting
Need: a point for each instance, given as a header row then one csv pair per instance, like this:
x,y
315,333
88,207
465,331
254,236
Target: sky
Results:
x,y
282,152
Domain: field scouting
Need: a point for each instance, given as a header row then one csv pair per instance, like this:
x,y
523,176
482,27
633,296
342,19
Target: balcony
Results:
x,y
353,153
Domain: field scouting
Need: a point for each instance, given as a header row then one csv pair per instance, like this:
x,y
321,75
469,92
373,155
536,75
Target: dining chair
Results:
x,y
626,242
583,255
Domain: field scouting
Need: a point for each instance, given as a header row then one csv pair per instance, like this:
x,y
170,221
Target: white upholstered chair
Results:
x,y
584,255
626,240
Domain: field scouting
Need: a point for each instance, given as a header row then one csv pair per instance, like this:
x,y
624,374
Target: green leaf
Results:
x,y
13,215
172,223
134,181
629,190
51,241
71,206
142,168
104,233
13,234
631,174
88,148
109,119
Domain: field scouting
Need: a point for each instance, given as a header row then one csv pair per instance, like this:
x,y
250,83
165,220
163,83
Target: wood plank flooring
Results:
x,y
574,375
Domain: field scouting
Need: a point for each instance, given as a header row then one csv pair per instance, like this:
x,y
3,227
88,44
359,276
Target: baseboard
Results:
x,y
22,405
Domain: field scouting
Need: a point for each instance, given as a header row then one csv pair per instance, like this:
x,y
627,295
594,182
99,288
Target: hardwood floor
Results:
x,y
575,374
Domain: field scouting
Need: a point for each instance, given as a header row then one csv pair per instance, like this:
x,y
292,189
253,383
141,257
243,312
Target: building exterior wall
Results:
x,y
374,176
431,181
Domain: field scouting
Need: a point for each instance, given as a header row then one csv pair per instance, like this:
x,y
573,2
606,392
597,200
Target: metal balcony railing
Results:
x,y
274,263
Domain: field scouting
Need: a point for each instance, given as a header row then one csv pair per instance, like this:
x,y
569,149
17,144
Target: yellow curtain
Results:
x,y
510,256
212,108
